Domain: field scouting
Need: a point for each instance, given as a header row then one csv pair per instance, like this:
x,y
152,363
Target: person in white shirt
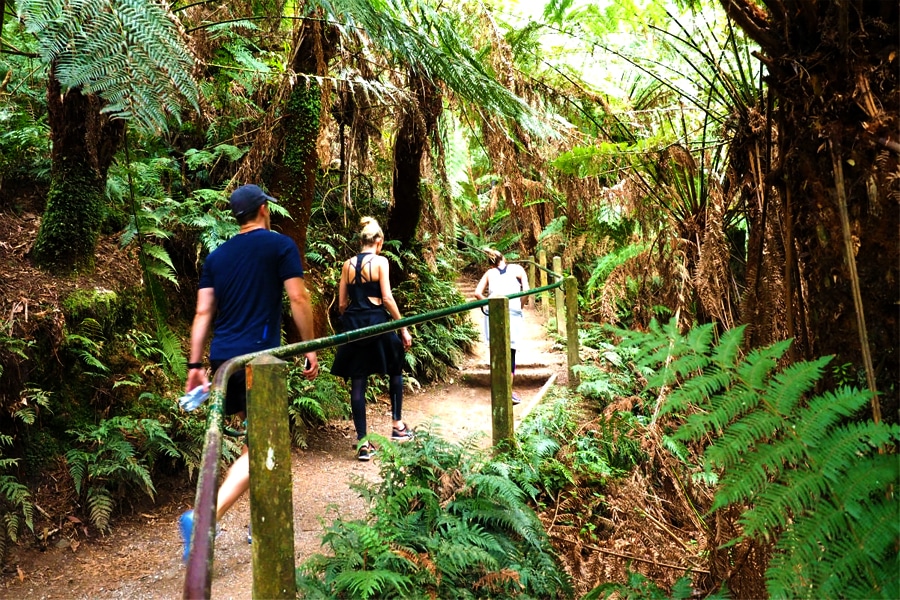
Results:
x,y
503,279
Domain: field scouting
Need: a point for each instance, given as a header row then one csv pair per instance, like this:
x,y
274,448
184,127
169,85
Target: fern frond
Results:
x,y
701,388
755,369
826,410
742,437
792,385
372,584
456,559
130,52
170,349
808,472
728,350
100,506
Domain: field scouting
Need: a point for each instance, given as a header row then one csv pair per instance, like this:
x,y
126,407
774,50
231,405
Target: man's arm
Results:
x,y
200,330
302,313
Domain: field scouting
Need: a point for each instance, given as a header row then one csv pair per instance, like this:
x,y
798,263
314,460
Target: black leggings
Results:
x,y
358,401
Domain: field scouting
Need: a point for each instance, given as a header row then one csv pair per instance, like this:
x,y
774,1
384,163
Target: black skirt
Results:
x,y
379,355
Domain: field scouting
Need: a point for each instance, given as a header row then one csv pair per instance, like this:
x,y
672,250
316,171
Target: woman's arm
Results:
x,y
482,284
384,279
387,297
523,279
343,298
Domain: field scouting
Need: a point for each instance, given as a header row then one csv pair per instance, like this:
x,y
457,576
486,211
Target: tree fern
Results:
x,y
812,473
129,52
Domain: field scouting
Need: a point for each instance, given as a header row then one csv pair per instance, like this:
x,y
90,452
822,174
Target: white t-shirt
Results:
x,y
511,280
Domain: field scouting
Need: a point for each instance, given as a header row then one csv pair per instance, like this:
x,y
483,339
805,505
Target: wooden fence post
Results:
x,y
531,280
545,297
560,298
271,503
501,370
571,285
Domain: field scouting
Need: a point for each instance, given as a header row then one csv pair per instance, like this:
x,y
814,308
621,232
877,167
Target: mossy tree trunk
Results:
x,y
296,167
296,164
300,159
84,143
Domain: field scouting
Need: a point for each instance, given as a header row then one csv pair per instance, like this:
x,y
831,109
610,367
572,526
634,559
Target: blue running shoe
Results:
x,y
186,526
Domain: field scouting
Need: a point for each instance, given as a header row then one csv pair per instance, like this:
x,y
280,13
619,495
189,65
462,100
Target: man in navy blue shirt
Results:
x,y
239,302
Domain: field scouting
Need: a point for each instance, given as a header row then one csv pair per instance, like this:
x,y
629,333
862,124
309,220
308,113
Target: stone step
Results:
x,y
524,377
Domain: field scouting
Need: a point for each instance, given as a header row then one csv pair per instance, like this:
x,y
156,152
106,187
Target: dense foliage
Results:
x,y
730,165
442,524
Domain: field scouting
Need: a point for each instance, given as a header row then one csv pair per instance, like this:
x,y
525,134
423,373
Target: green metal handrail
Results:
x,y
198,577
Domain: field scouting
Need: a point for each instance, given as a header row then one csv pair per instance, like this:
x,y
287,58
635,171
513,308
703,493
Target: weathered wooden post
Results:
x,y
271,504
544,296
501,370
559,296
571,286
531,281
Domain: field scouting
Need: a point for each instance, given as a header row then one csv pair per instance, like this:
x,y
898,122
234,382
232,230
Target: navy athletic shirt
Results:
x,y
247,274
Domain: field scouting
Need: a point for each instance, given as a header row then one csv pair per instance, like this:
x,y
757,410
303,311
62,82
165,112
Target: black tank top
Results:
x,y
359,290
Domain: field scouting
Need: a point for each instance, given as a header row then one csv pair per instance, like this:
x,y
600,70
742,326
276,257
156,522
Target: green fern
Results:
x,y
34,400
16,507
130,52
441,525
639,587
442,342
88,350
100,506
115,458
813,474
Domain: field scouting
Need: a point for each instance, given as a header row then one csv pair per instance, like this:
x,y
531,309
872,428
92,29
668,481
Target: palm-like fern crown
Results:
x,y
815,475
430,42
129,52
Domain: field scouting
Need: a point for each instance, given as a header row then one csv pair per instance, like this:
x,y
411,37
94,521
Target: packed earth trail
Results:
x,y
141,557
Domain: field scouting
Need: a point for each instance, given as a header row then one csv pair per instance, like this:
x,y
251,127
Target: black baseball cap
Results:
x,y
248,198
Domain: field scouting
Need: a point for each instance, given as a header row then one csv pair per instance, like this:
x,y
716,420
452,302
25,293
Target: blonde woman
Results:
x,y
364,299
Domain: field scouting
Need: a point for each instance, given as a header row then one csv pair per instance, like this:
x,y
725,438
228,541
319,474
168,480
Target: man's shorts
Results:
x,y
235,391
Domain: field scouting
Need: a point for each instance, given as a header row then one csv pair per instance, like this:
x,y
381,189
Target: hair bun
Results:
x,y
370,230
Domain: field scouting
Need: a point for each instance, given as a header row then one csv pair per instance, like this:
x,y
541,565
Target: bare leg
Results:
x,y
237,481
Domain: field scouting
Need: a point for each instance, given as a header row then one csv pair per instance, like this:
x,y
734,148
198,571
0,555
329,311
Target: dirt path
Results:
x,y
141,558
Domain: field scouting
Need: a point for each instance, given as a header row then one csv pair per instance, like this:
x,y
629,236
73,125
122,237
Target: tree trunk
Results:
x,y
834,73
84,144
417,122
296,165
300,160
